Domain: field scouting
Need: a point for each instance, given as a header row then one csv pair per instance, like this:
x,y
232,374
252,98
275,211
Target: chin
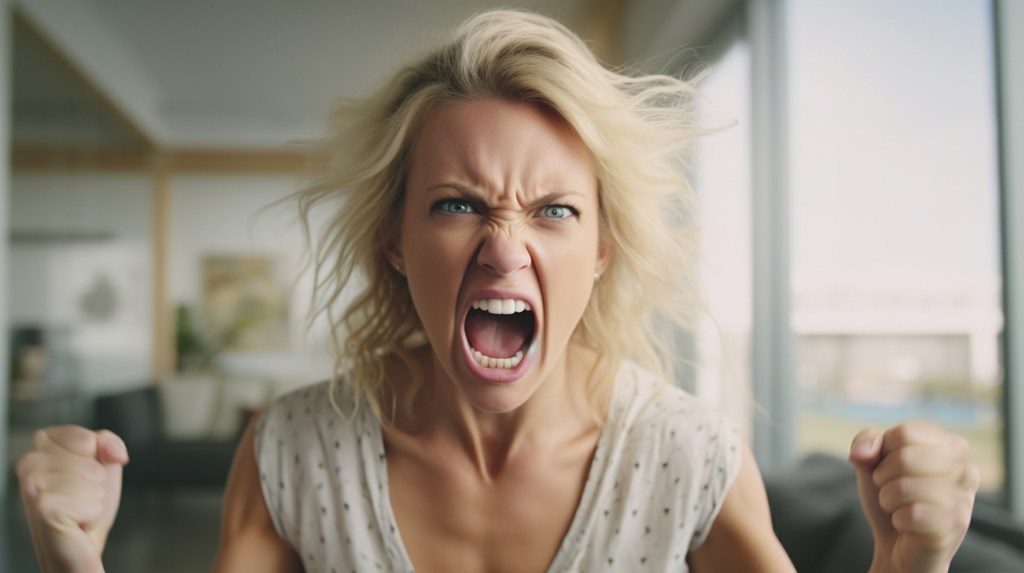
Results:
x,y
496,392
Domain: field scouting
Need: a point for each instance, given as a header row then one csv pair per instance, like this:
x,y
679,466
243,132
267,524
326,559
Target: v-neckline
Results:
x,y
566,548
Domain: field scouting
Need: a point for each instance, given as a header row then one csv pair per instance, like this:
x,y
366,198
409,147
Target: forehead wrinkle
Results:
x,y
533,181
515,170
508,171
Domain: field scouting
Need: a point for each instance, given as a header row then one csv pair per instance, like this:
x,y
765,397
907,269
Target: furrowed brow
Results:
x,y
467,192
478,197
553,197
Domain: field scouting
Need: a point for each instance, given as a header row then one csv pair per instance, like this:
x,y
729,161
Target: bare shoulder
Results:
x,y
248,541
741,537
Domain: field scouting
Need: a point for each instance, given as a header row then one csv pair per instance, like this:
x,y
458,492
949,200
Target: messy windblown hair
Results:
x,y
635,126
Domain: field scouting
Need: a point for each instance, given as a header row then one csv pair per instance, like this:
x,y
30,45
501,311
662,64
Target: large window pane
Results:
x,y
896,307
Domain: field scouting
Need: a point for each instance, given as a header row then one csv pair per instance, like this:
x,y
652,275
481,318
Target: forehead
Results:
x,y
502,145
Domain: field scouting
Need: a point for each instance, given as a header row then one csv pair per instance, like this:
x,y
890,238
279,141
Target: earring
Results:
x,y
597,277
399,268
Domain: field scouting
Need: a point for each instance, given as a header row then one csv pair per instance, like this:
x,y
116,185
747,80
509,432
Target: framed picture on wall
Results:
x,y
245,302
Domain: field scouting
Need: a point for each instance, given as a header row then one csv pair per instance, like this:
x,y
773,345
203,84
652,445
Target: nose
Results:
x,y
503,253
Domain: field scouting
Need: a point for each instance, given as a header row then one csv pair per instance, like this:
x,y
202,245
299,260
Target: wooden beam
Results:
x,y
65,158
60,158
602,28
163,312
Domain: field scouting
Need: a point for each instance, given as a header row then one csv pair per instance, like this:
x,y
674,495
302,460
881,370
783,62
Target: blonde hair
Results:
x,y
637,128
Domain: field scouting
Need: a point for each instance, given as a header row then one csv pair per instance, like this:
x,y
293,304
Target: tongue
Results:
x,y
498,336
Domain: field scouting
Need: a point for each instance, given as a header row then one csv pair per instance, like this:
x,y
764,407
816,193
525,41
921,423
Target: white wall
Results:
x,y
233,215
79,230
84,239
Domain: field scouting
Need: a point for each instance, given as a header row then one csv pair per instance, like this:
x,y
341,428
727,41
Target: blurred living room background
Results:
x,y
860,188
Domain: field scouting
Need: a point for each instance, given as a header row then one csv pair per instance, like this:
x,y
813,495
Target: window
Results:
x,y
895,278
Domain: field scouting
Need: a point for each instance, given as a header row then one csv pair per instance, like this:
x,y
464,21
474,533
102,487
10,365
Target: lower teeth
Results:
x,y
503,363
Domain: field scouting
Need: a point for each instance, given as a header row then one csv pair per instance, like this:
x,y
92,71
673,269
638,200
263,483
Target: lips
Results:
x,y
498,331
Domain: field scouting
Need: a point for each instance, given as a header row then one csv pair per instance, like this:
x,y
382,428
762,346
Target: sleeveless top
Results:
x,y
663,464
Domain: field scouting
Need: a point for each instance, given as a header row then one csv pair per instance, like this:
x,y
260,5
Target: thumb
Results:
x,y
110,448
112,453
866,449
865,455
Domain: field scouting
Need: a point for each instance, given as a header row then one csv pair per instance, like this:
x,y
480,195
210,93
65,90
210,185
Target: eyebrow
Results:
x,y
476,196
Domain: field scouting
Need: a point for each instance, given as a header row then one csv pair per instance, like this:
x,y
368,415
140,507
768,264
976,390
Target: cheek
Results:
x,y
434,271
568,274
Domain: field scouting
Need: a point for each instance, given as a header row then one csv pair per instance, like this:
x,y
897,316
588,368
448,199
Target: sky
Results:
x,y
893,135
893,152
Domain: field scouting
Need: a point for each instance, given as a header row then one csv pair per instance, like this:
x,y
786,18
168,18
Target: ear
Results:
x,y
394,256
604,256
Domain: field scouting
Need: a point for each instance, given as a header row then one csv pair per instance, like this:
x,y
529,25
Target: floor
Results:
x,y
156,531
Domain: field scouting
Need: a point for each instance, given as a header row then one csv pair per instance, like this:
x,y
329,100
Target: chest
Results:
x,y
449,519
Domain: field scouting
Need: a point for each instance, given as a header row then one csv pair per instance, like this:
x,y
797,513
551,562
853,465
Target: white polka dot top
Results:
x,y
662,466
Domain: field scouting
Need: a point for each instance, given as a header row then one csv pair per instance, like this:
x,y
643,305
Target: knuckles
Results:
x,y
891,494
46,471
897,463
72,438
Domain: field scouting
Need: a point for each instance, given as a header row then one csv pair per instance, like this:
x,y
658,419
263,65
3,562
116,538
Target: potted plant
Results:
x,y
189,400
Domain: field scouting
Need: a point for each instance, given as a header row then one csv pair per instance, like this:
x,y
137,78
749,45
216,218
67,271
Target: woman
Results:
x,y
520,221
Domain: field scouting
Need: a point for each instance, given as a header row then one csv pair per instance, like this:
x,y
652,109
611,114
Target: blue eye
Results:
x,y
557,212
454,206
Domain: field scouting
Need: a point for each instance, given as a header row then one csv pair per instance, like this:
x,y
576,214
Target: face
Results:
x,y
499,242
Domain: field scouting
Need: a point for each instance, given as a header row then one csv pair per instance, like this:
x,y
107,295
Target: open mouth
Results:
x,y
499,332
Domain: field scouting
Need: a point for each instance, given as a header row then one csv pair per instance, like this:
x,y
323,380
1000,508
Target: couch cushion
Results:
x,y
134,415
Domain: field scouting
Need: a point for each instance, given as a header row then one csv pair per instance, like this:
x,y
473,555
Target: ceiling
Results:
x,y
233,74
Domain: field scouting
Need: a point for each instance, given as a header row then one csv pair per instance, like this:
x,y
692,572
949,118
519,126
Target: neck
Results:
x,y
557,412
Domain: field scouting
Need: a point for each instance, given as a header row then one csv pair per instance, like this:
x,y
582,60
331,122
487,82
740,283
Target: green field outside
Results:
x,y
818,433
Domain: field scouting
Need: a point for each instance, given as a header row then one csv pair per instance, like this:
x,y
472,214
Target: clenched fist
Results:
x,y
71,488
917,485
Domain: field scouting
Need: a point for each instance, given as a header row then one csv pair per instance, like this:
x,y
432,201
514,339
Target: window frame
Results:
x,y
1008,17
773,384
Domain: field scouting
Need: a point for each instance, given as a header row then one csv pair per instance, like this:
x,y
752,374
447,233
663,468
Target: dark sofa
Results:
x,y
818,519
156,461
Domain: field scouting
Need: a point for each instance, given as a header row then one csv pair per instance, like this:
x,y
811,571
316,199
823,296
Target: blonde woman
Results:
x,y
517,221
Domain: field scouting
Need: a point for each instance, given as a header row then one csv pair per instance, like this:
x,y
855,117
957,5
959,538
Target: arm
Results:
x,y
741,537
248,541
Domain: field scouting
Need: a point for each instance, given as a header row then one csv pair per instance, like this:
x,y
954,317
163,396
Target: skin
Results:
x,y
502,198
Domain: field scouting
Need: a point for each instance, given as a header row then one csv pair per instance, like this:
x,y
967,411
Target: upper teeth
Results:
x,y
502,306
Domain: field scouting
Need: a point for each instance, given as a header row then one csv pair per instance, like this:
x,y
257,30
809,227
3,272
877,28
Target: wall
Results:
x,y
82,234
81,268
222,215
